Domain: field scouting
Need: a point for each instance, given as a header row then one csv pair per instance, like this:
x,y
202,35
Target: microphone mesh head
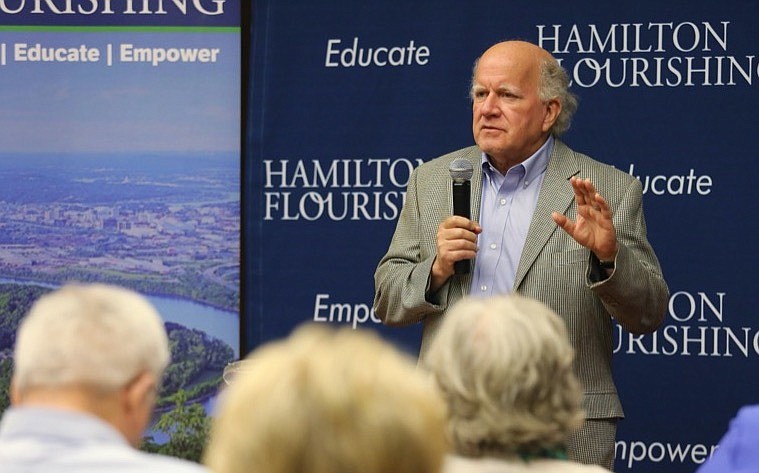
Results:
x,y
461,170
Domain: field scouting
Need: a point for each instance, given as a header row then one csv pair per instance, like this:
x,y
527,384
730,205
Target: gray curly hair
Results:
x,y
554,83
505,367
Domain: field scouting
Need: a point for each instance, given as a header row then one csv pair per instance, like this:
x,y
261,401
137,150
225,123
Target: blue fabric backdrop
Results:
x,y
346,98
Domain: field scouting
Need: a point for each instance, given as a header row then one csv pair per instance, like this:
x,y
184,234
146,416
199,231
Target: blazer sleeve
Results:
x,y
401,279
635,294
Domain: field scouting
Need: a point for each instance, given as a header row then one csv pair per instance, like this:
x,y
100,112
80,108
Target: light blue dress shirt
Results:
x,y
508,203
41,440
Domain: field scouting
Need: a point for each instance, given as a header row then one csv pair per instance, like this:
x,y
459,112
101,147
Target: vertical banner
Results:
x,y
120,163
346,99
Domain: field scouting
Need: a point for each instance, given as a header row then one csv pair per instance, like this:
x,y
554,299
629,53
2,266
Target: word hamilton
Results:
x,y
654,54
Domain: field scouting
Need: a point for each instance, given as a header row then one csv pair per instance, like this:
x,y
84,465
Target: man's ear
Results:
x,y
553,108
140,391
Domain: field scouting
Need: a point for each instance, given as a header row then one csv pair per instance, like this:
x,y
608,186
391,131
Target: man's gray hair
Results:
x,y
95,335
554,84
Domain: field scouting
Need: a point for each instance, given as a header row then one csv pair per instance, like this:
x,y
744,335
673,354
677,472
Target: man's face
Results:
x,y
509,121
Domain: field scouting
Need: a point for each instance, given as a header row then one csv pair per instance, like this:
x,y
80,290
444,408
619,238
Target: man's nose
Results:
x,y
489,106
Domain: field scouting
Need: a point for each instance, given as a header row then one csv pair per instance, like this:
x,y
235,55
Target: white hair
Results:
x,y
504,365
554,84
97,335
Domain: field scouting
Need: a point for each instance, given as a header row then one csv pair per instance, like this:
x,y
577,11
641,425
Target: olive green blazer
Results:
x,y
553,267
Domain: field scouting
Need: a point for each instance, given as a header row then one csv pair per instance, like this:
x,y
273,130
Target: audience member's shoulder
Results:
x,y
580,468
737,448
457,464
749,414
168,464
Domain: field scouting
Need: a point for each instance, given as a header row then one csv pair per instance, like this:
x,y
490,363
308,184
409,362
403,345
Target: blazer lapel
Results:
x,y
555,195
476,159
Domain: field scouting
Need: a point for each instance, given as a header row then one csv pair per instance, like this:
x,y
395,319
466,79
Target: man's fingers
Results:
x,y
456,221
562,221
459,234
585,191
578,188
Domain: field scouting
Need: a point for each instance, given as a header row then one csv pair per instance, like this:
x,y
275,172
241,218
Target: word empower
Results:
x,y
632,452
334,312
155,56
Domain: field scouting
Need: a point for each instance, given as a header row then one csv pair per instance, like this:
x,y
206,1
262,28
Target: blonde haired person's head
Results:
x,y
329,401
504,365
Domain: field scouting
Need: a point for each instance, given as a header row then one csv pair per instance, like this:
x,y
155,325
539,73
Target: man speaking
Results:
x,y
547,222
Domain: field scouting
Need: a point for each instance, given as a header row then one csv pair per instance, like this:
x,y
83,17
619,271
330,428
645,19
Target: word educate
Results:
x,y
382,56
674,185
105,7
22,52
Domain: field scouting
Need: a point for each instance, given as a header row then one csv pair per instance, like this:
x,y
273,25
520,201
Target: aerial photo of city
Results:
x,y
164,225
128,174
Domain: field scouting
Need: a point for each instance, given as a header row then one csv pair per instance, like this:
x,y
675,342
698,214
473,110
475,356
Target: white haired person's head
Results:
x,y
92,348
505,367
94,335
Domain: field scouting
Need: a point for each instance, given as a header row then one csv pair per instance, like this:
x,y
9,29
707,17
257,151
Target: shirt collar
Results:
x,y
533,166
48,422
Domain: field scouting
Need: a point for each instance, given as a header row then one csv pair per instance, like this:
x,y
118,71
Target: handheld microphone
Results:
x,y
461,174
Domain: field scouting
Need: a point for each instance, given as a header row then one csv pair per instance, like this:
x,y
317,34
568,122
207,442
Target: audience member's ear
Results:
x,y
137,403
14,394
141,391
